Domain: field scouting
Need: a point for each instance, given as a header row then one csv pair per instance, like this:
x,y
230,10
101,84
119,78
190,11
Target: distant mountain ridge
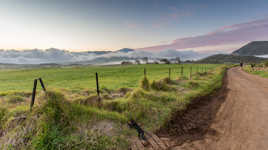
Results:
x,y
253,48
125,50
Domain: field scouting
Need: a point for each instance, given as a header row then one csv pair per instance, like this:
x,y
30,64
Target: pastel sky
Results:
x,y
76,25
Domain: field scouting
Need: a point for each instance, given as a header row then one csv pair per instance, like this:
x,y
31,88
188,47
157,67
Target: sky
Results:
x,y
79,25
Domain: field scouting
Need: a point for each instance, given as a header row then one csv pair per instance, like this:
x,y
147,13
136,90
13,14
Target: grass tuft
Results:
x,y
192,84
145,83
159,85
3,112
15,99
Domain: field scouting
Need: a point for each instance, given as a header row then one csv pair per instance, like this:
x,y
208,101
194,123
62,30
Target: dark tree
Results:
x,y
166,61
145,59
138,61
178,60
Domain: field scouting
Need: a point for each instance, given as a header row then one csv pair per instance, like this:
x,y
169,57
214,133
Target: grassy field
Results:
x,y
71,107
259,70
77,78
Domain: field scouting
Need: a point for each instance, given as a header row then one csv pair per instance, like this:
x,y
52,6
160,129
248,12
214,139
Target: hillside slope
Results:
x,y
223,58
253,48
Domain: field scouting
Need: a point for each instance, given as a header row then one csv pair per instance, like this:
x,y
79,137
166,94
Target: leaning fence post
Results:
x,y
33,94
169,72
42,84
97,84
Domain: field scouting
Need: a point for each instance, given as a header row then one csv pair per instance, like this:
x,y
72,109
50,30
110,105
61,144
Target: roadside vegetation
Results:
x,y
260,69
70,117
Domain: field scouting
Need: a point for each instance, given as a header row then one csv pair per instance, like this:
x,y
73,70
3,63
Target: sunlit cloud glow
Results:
x,y
224,38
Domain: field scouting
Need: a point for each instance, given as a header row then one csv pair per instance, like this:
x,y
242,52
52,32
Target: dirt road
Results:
x,y
241,121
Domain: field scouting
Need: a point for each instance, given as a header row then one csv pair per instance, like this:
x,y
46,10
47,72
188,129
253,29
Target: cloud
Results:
x,y
228,35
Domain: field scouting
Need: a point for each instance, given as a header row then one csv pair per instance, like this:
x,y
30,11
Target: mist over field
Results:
x,y
52,55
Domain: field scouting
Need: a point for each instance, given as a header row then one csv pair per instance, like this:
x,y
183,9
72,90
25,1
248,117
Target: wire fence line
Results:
x,y
179,71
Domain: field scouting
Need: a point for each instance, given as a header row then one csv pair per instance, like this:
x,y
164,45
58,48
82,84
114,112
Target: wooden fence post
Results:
x,y
33,94
191,72
181,70
144,72
97,87
169,72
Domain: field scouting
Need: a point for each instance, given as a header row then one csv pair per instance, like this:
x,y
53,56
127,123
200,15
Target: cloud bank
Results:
x,y
226,37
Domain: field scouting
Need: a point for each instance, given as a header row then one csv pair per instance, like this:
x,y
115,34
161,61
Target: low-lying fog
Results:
x,y
57,56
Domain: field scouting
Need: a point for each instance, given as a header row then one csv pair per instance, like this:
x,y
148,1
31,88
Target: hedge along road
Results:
x,y
241,122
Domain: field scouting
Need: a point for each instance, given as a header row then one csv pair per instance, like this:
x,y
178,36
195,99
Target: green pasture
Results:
x,y
76,78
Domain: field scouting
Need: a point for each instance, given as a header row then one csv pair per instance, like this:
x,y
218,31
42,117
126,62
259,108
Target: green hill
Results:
x,y
224,58
253,48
